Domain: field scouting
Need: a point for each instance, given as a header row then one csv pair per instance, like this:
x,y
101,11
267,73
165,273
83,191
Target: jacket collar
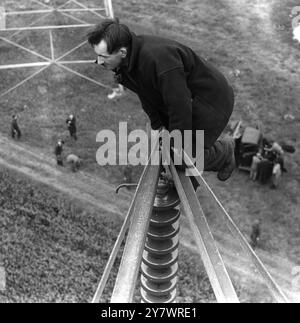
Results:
x,y
132,54
134,51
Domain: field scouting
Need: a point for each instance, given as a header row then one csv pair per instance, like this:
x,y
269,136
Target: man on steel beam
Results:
x,y
177,88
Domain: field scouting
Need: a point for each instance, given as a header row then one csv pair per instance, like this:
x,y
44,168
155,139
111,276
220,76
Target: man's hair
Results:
x,y
116,35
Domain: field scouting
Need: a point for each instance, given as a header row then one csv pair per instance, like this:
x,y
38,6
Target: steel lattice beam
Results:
x,y
49,61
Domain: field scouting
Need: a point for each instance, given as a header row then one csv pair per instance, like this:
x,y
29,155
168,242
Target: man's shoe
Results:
x,y
229,165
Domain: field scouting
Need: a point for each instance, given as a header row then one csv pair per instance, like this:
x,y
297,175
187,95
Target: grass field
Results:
x,y
55,250
254,39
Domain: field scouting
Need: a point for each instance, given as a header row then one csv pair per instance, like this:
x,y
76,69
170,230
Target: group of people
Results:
x,y
268,163
73,160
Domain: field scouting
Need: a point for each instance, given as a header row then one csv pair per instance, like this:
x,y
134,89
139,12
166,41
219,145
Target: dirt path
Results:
x,y
101,195
81,186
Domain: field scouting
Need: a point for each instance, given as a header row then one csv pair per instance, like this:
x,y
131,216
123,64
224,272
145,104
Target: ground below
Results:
x,y
251,42
99,197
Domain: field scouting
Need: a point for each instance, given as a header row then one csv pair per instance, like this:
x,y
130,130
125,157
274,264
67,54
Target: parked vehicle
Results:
x,y
250,143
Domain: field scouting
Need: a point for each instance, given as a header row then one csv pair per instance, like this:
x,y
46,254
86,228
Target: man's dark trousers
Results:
x,y
213,122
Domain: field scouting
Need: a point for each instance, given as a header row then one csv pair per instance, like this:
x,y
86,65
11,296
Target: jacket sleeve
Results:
x,y
177,98
152,114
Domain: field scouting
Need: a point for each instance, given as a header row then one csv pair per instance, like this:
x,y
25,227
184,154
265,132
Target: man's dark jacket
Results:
x,y
177,88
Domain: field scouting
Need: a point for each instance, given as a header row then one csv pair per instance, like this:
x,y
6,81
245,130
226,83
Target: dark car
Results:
x,y
247,146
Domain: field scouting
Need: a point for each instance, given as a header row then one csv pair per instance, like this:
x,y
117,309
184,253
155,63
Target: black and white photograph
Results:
x,y
149,154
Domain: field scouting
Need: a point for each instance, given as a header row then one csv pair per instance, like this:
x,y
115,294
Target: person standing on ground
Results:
x,y
255,234
58,152
15,130
256,159
71,124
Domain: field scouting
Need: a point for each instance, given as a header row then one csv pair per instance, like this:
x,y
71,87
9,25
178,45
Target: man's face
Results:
x,y
109,61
